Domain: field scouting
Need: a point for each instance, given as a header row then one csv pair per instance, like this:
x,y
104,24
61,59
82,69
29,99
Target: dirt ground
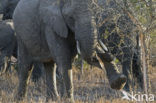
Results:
x,y
91,87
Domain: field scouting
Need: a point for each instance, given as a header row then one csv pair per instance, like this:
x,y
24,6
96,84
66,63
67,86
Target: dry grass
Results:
x,y
91,87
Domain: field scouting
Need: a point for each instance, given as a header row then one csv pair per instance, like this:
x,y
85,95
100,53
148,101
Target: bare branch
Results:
x,y
152,28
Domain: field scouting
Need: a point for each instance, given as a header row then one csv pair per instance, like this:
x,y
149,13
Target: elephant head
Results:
x,y
79,16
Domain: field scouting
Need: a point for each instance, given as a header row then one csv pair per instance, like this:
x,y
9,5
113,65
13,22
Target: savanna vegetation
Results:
x,y
91,84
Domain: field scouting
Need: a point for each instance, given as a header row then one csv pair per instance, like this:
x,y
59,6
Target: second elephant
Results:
x,y
8,48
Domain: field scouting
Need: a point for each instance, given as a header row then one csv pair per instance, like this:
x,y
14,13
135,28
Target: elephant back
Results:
x,y
6,34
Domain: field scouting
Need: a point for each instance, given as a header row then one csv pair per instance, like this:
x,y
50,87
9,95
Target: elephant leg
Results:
x,y
37,72
60,82
66,70
51,81
127,70
68,80
61,53
24,72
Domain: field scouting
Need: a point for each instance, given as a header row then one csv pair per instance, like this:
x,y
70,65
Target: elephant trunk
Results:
x,y
86,36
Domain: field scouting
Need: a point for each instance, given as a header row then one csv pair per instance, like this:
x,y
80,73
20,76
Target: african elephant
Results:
x,y
51,32
8,48
7,8
120,34
7,44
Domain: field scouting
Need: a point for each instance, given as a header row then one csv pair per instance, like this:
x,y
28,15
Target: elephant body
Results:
x,y
52,31
44,37
8,48
8,39
7,44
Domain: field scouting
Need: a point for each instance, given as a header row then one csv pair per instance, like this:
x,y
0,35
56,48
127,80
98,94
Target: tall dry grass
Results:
x,y
91,87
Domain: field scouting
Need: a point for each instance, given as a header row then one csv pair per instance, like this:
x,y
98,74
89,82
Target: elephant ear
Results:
x,y
52,17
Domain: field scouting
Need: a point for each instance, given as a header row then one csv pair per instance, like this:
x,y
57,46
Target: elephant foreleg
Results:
x,y
66,71
61,52
69,83
60,83
37,72
51,81
24,71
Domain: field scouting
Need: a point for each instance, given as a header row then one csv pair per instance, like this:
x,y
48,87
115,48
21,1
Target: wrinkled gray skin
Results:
x,y
120,34
47,32
7,45
7,8
8,48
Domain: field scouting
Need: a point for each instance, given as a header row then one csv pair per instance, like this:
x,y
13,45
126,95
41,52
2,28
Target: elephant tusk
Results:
x,y
103,45
100,62
99,49
78,47
79,52
82,66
